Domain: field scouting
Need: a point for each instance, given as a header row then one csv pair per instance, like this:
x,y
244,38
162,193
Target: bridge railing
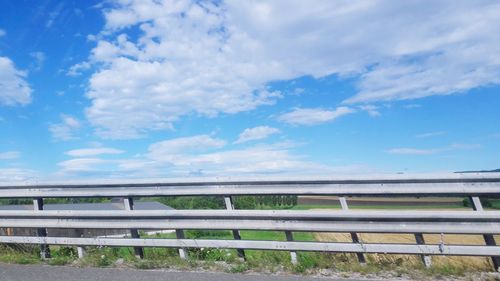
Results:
x,y
476,221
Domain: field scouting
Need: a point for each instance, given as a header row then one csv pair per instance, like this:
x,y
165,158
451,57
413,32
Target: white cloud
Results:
x,y
259,159
414,151
13,87
464,146
371,109
256,133
39,59
184,145
77,69
82,165
9,155
15,175
159,159
313,116
66,129
418,151
412,106
54,14
205,58
430,134
2,32
263,159
85,152
202,156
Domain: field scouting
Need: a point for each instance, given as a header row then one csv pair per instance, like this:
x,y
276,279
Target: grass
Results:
x,y
227,259
19,254
495,204
62,255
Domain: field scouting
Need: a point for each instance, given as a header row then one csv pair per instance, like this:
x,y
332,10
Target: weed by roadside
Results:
x,y
12,253
273,262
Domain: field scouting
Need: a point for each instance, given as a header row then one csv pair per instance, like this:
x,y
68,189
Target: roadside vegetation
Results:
x,y
226,260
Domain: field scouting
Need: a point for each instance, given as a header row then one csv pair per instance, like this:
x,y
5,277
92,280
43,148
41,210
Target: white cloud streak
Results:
x,y
372,110
15,175
39,59
256,133
412,151
9,155
259,159
85,152
313,116
184,145
419,151
201,155
431,134
82,165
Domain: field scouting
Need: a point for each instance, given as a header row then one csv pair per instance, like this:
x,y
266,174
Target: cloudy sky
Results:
x,y
161,88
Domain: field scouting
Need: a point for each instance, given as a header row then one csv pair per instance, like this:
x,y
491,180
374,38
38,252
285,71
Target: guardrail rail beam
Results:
x,y
414,222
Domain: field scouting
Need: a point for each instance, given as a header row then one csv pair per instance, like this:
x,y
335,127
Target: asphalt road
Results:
x,y
11,272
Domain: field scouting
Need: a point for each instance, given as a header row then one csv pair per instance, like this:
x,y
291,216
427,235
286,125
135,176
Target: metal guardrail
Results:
x,y
476,221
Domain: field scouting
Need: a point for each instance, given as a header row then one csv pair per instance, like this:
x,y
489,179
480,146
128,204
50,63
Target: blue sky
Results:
x,y
123,88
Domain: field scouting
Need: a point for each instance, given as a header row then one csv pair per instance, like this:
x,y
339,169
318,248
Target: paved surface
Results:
x,y
11,272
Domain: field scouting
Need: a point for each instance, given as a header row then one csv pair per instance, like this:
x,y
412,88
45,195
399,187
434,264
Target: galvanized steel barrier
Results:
x,y
476,221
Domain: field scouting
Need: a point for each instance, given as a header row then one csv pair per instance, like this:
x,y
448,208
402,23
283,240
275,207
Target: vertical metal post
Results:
x,y
129,206
41,232
81,252
79,249
236,233
293,254
419,237
354,236
488,238
179,233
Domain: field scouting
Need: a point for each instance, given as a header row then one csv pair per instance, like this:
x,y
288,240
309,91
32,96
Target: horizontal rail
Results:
x,y
288,180
460,222
491,189
321,226
428,249
340,215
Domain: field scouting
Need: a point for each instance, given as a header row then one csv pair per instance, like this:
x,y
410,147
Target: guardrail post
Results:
x,y
179,233
419,237
293,254
79,249
488,238
128,202
354,236
236,233
41,232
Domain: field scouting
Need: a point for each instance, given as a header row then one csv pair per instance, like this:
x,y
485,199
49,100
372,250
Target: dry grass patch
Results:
x,y
468,263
